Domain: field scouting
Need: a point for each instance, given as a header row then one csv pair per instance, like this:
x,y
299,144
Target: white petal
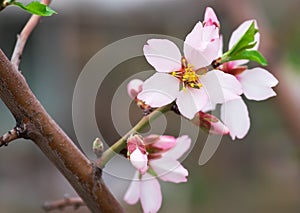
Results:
x,y
190,101
201,46
195,57
235,116
159,90
238,33
183,144
195,37
151,197
257,84
139,160
169,169
132,194
163,55
220,52
220,86
212,50
209,107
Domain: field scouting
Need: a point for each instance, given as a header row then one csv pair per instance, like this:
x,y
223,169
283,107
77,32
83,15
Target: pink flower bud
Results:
x,y
134,87
137,153
210,123
210,18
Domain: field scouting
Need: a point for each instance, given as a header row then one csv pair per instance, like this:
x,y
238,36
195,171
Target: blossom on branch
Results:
x,y
163,153
181,78
256,84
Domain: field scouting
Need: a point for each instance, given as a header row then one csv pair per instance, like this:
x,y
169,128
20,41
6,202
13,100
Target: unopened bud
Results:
x,y
137,153
134,87
210,18
210,123
98,147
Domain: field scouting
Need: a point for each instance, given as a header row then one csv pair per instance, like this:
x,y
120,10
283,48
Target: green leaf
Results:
x,y
252,55
36,8
242,49
246,41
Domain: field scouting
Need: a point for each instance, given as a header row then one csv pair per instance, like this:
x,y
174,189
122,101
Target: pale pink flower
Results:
x,y
177,78
256,84
145,187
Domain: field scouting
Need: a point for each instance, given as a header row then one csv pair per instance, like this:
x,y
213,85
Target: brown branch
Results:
x,y
23,37
9,137
76,202
53,142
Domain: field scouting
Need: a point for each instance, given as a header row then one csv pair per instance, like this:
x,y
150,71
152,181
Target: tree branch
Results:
x,y
8,137
23,37
53,142
76,202
121,143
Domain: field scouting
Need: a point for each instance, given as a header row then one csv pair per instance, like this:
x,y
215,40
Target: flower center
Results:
x,y
187,75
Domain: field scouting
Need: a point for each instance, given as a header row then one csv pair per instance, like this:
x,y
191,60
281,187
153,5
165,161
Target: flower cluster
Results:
x,y
154,157
187,81
194,83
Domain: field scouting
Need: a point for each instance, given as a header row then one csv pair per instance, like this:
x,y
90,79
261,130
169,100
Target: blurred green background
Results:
x,y
260,173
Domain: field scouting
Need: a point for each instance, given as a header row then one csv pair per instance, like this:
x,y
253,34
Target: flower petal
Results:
x,y
132,194
151,197
169,169
190,101
257,84
202,45
238,33
183,144
159,90
163,55
139,161
236,117
163,142
220,86
134,87
210,18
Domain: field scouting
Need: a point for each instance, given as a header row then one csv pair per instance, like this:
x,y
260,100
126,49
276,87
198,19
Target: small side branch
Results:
x,y
9,137
23,37
76,202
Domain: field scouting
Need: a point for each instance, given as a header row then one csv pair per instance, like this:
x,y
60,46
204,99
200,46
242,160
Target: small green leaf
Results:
x,y
251,55
36,8
246,41
242,49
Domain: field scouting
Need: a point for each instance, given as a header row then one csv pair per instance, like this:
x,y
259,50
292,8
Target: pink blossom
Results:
x,y
178,77
145,187
256,84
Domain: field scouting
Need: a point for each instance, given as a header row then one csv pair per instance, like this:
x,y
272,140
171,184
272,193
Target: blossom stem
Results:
x,y
121,143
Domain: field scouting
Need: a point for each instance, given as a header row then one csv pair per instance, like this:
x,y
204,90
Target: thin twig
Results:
x,y
76,202
9,137
23,37
121,143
